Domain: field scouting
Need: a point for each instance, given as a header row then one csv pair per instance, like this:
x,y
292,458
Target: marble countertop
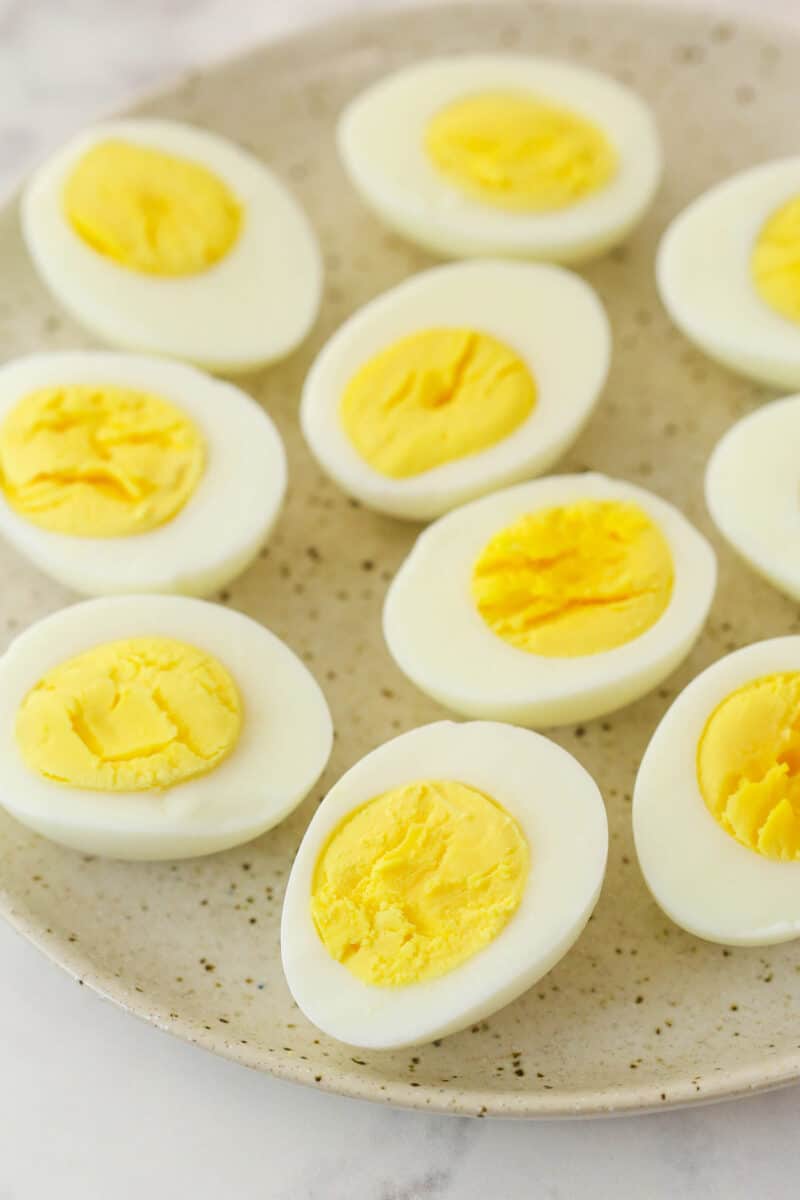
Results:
x,y
94,1104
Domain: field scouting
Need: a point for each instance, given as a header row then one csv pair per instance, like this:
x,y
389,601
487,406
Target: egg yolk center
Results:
x,y
748,765
98,460
417,881
149,211
433,397
578,579
129,716
518,151
775,262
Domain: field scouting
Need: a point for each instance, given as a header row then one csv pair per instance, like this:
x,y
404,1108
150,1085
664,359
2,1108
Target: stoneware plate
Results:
x,y
639,1014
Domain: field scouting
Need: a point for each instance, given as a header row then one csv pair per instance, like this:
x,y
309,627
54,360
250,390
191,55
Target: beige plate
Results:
x,y
639,1014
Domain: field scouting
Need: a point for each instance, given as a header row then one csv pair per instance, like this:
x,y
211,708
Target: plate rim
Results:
x,y
746,1080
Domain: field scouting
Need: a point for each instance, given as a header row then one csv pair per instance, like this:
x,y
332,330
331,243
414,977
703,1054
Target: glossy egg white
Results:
x,y
438,638
381,143
705,282
283,747
223,524
252,307
702,878
550,317
568,843
752,491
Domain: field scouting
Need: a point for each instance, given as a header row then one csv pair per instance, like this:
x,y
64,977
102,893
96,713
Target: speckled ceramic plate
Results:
x,y
639,1014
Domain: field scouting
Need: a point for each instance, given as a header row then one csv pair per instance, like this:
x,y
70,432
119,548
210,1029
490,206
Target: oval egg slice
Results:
x,y
503,154
553,601
726,272
753,491
716,807
120,473
460,380
167,239
155,727
441,876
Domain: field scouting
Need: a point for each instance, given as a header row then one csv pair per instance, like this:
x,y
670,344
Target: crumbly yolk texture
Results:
x,y
418,880
98,461
149,211
775,262
574,580
130,716
748,765
433,397
516,151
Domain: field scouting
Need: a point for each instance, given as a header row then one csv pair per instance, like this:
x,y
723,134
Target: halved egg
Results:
x,y
727,272
753,491
120,473
503,154
716,807
441,876
154,727
553,601
167,239
460,380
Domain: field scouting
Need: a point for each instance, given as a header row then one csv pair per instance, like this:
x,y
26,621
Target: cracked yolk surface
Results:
x,y
517,151
748,765
149,211
418,880
435,396
98,461
775,262
133,715
577,579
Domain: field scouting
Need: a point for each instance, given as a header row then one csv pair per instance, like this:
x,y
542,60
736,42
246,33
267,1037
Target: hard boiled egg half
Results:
x,y
753,491
438,880
167,239
503,154
727,272
549,602
716,808
153,727
120,473
460,380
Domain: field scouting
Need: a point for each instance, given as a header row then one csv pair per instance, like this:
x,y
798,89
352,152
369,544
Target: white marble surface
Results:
x,y
94,1104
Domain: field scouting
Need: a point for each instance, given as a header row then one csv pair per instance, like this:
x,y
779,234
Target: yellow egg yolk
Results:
x,y
748,765
418,880
433,397
150,211
98,461
775,262
573,580
519,152
129,716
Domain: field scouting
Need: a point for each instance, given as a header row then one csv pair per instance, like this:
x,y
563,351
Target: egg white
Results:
x,y
702,878
568,844
282,750
223,524
252,307
438,638
381,142
705,282
753,491
550,317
